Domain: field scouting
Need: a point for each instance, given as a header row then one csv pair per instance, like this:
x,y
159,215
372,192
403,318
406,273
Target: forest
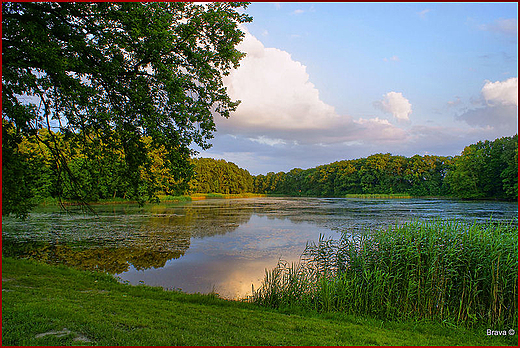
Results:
x,y
485,170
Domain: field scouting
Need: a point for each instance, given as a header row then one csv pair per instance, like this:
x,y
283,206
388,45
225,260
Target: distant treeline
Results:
x,y
484,170
219,176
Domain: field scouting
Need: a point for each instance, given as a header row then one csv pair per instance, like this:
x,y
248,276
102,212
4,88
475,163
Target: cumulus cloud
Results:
x,y
282,120
280,106
275,92
499,114
395,104
501,92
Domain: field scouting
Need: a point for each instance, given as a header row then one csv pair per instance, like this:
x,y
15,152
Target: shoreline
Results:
x,y
58,305
161,199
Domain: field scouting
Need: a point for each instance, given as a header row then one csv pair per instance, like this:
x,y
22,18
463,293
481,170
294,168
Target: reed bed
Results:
x,y
378,195
448,271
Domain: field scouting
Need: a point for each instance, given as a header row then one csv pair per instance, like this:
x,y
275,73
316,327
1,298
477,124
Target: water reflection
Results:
x,y
108,259
221,245
230,264
117,237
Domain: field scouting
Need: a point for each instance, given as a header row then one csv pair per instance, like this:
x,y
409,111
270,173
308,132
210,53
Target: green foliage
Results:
x,y
111,75
219,176
440,270
486,170
376,174
19,174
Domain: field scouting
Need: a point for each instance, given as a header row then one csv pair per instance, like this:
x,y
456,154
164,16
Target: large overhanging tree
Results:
x,y
112,73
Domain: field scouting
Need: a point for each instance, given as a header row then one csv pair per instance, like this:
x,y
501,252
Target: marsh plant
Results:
x,y
450,271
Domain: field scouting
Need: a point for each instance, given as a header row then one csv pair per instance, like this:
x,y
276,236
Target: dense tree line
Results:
x,y
376,174
219,176
486,170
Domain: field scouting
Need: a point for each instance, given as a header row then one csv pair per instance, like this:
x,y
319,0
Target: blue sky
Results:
x,y
323,82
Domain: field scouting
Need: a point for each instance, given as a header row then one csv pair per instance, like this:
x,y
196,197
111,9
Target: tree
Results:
x,y
119,72
509,174
487,169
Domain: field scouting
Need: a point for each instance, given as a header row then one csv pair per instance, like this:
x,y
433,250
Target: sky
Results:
x,y
323,82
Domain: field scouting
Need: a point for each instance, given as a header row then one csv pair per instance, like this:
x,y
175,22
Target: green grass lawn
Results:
x,y
56,305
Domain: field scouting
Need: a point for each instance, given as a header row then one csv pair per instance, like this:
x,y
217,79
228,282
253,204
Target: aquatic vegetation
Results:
x,y
201,196
378,196
169,198
445,270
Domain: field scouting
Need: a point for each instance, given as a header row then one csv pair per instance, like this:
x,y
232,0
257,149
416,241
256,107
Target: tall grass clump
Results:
x,y
377,195
450,271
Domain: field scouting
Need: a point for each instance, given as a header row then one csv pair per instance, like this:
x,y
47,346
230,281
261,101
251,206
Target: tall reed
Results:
x,y
451,271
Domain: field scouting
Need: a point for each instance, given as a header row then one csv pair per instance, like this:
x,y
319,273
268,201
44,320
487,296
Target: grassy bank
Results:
x,y
162,198
446,271
378,195
201,196
55,305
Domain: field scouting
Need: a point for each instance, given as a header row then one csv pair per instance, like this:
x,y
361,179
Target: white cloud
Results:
x,y
281,108
455,102
364,121
268,141
376,129
353,143
298,11
393,59
395,104
496,110
423,13
508,27
501,92
275,92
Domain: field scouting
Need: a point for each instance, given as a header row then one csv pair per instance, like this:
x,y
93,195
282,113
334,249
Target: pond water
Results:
x,y
221,245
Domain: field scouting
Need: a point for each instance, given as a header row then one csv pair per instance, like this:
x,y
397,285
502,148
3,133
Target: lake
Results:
x,y
220,245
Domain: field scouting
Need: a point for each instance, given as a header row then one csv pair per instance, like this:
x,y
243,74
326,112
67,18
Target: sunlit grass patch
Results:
x,y
169,198
378,195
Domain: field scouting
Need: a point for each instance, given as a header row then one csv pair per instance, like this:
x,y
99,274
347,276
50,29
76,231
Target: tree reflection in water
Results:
x,y
115,240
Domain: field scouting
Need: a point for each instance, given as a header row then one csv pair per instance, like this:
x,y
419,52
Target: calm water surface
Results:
x,y
214,245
